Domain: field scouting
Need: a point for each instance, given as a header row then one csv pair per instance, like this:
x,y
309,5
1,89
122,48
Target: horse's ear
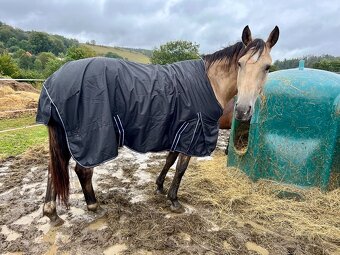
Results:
x,y
246,36
273,37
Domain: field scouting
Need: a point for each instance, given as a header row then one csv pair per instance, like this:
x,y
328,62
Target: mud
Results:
x,y
132,219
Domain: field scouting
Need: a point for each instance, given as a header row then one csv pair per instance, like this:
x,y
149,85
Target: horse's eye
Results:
x,y
239,64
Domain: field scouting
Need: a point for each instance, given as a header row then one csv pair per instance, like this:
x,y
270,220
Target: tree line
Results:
x,y
324,62
32,54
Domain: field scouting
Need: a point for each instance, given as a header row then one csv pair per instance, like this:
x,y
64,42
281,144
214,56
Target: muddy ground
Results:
x,y
134,220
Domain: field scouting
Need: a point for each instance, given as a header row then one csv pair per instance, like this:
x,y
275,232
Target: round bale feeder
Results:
x,y
294,134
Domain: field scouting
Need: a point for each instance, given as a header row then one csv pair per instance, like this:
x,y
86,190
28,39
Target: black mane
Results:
x,y
231,54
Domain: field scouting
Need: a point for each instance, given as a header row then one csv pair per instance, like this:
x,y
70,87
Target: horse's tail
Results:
x,y
59,158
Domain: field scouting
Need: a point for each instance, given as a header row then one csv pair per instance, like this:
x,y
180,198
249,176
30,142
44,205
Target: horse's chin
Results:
x,y
247,119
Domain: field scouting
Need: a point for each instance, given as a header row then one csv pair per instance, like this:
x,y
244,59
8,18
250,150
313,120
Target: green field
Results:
x,y
124,53
15,142
23,121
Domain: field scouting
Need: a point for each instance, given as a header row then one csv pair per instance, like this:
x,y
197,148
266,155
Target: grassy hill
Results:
x,y
124,53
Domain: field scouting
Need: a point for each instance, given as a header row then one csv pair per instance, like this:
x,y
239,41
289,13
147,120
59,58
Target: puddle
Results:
x,y
99,224
115,249
10,234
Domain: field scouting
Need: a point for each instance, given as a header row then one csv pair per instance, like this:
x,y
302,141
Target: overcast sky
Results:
x,y
306,27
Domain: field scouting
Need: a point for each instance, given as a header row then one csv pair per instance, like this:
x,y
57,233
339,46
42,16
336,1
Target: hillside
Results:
x,y
128,54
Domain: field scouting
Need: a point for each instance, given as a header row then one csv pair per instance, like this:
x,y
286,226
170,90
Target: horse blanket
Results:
x,y
106,103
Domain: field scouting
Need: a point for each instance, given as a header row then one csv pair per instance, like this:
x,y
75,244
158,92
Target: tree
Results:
x,y
12,42
38,65
26,61
2,48
52,65
44,57
112,55
57,46
13,49
175,51
8,66
40,42
80,52
25,45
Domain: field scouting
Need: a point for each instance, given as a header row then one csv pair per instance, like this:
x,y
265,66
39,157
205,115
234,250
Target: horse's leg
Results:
x,y
182,165
170,160
85,179
227,147
50,209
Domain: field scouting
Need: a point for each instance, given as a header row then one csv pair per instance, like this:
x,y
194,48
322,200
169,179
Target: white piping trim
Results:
x,y
118,131
121,125
173,143
179,136
193,136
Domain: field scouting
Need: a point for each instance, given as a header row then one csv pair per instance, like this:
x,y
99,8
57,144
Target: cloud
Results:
x,y
307,27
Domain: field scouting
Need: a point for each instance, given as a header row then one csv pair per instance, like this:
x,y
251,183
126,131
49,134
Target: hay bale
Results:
x,y
18,86
11,99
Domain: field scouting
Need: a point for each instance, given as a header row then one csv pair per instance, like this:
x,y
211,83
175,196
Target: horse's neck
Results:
x,y
223,82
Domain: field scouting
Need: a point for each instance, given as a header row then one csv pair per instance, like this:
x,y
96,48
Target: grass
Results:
x,y
128,54
22,121
13,143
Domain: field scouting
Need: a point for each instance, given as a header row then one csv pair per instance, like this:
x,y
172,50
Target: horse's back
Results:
x,y
106,103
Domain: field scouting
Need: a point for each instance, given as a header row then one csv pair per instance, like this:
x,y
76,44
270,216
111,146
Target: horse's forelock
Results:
x,y
256,46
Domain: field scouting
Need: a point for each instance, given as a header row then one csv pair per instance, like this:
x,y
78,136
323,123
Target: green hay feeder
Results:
x,y
294,134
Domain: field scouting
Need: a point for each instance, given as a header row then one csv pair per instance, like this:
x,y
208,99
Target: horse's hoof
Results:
x,y
93,207
176,207
101,212
160,192
57,222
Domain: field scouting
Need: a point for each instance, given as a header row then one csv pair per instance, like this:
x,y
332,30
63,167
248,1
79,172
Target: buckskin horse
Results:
x,y
93,106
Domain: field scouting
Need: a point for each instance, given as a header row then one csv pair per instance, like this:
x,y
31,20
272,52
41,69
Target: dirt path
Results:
x,y
133,219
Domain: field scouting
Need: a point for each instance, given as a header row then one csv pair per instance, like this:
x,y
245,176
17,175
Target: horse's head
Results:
x,y
253,66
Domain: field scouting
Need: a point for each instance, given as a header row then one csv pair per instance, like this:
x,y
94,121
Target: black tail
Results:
x,y
59,158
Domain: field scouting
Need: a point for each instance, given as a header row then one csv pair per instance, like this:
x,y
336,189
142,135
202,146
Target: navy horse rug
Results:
x,y
107,103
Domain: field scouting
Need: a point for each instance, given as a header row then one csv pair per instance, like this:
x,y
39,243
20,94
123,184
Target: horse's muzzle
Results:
x,y
243,112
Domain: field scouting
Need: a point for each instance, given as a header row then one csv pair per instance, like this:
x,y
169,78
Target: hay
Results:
x,y
234,198
17,100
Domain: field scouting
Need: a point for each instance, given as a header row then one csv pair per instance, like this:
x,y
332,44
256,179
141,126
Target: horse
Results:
x,y
88,119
